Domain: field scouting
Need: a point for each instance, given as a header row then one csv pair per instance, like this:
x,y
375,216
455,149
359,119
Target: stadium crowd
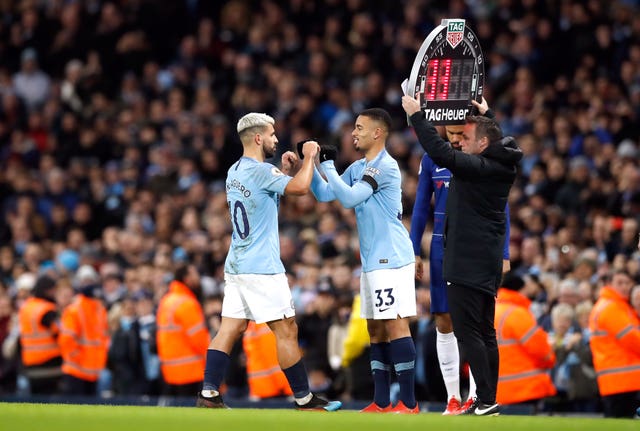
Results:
x,y
117,127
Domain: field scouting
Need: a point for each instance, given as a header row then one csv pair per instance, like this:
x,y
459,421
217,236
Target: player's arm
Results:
x,y
440,151
483,109
422,206
320,188
349,196
289,162
421,211
300,183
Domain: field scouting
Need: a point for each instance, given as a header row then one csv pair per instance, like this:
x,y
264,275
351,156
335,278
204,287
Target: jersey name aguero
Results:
x,y
253,195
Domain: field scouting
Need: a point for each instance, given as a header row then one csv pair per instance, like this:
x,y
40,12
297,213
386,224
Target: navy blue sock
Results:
x,y
217,362
298,380
403,355
380,369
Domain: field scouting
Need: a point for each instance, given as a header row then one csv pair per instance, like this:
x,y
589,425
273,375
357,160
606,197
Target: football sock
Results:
x,y
403,355
380,369
217,362
472,385
449,360
298,380
304,400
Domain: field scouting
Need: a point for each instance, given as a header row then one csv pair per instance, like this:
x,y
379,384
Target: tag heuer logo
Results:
x,y
455,32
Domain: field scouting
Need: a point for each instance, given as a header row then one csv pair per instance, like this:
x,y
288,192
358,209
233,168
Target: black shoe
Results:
x,y
210,402
319,404
478,408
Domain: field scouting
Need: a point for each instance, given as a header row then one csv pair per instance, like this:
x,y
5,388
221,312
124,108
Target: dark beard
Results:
x,y
268,153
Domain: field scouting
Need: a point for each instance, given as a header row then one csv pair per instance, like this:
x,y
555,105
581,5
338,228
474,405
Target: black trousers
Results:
x,y
72,385
622,405
45,385
472,314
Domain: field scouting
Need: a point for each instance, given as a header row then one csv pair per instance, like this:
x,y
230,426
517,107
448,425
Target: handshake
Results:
x,y
327,152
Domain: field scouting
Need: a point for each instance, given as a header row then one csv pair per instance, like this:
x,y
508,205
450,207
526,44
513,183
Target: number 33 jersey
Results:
x,y
253,195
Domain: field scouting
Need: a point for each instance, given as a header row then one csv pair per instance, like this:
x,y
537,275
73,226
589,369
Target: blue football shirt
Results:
x,y
384,241
253,194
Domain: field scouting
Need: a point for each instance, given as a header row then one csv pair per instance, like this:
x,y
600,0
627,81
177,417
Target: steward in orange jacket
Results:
x,y
84,336
41,356
525,353
182,334
615,345
265,377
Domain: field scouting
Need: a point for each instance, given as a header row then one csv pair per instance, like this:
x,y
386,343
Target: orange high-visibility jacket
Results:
x,y
182,336
615,343
84,338
525,353
39,343
264,375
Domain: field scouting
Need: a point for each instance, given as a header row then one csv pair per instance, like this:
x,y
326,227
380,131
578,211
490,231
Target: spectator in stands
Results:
x,y
615,344
314,331
635,299
147,330
39,330
125,358
31,84
8,361
182,336
356,356
563,338
525,354
583,386
265,378
84,337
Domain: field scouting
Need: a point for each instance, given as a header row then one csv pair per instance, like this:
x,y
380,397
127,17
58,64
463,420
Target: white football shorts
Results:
x,y
259,297
388,293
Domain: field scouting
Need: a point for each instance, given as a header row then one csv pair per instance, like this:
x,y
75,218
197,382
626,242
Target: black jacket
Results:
x,y
475,221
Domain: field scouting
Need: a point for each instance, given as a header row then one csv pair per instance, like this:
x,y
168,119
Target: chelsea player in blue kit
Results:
x,y
256,287
372,186
434,180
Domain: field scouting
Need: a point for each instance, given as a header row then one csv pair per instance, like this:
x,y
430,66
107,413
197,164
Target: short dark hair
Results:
x,y
485,127
512,281
380,115
181,272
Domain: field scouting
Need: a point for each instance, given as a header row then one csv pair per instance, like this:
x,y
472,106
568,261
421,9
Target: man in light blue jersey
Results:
x,y
256,287
372,185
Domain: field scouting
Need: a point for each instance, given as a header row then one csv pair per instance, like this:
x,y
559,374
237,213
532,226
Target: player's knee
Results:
x,y
232,329
398,328
285,329
444,327
377,331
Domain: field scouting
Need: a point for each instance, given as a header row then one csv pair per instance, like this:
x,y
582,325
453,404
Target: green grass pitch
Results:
x,y
63,417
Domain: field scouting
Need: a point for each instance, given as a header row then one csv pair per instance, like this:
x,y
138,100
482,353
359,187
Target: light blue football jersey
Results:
x,y
384,241
253,194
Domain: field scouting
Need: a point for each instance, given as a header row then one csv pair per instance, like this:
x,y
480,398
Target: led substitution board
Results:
x,y
448,73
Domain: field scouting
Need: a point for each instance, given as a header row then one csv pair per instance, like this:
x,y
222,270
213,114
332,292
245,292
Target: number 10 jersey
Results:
x,y
253,195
